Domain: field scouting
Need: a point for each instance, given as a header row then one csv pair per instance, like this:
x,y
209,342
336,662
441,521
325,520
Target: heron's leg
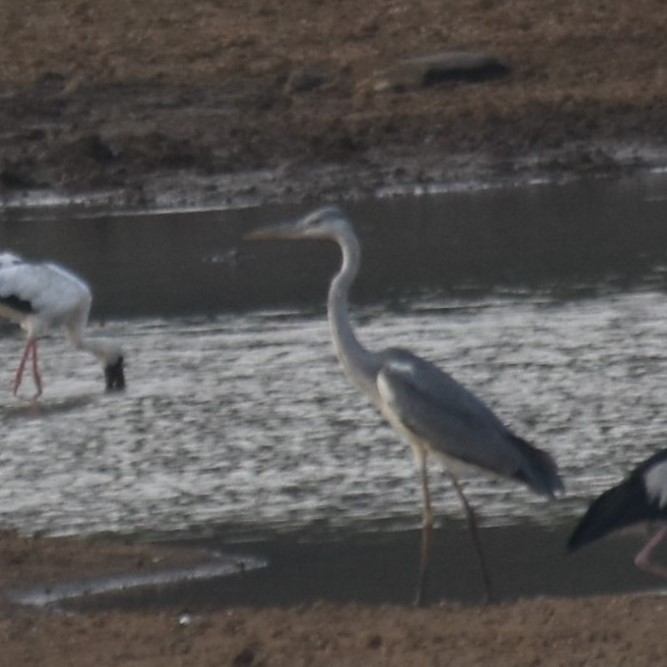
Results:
x,y
31,342
474,532
643,558
427,529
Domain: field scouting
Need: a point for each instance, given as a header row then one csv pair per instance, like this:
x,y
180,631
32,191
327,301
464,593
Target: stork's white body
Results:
x,y
41,296
51,296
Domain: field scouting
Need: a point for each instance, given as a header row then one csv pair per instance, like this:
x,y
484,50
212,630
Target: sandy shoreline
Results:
x,y
223,103
601,630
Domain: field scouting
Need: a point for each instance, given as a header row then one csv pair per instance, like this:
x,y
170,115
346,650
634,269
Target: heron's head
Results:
x,y
114,374
323,223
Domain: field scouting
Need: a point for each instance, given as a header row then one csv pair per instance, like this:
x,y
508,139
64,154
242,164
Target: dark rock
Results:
x,y
15,178
95,147
424,71
304,80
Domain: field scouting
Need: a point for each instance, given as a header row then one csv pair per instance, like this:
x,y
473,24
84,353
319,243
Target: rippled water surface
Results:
x,y
549,302
244,422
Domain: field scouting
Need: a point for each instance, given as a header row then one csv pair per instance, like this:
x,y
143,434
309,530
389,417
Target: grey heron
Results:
x,y
640,497
38,296
436,414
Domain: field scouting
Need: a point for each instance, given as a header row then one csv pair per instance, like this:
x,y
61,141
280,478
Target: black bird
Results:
x,y
641,496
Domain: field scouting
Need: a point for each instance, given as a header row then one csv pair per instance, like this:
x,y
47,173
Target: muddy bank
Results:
x,y
270,101
601,631
609,630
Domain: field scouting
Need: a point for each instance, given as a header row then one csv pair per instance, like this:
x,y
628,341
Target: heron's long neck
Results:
x,y
360,365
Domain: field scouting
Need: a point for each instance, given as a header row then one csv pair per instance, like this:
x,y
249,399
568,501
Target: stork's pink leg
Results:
x,y
35,372
643,558
29,346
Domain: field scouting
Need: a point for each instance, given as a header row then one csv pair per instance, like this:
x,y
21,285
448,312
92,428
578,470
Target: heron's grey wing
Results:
x,y
453,422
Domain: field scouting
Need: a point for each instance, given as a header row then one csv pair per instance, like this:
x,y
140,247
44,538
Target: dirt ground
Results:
x,y
605,631
227,99
284,100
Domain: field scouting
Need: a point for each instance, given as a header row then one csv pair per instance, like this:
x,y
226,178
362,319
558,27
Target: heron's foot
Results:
x,y
419,598
425,558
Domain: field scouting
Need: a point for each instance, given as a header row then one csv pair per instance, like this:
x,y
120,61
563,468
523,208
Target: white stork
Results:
x,y
44,295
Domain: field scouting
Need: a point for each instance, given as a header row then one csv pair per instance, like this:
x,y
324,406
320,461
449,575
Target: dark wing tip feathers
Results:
x,y
14,302
532,466
9,300
538,470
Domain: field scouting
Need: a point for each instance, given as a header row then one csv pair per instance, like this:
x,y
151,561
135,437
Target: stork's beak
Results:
x,y
286,230
115,376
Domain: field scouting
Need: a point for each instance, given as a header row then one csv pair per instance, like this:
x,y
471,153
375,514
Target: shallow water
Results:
x,y
238,424
244,424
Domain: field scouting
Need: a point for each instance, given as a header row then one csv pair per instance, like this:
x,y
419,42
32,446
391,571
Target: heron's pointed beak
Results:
x,y
114,375
285,230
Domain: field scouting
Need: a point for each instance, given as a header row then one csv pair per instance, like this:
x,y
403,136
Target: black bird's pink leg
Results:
x,y
35,372
19,371
643,558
